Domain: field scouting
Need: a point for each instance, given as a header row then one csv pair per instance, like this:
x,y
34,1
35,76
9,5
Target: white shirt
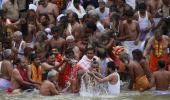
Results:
x,y
104,14
114,89
80,12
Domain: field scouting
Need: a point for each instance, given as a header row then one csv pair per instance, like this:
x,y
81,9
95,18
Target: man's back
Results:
x,y
137,69
161,79
48,89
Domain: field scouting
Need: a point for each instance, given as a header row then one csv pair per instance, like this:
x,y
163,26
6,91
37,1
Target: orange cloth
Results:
x,y
36,73
141,83
153,60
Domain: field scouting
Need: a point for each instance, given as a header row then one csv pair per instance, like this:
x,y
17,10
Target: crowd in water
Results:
x,y
50,44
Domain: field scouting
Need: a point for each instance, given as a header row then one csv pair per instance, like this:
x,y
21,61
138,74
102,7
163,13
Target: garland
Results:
x,y
158,48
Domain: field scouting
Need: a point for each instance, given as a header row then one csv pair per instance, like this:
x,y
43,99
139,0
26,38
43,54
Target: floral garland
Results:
x,y
158,48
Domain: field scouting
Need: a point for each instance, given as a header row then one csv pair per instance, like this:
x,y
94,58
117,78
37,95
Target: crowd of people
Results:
x,y
49,44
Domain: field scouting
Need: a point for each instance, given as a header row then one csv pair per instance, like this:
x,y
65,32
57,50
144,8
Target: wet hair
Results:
x,y
101,53
33,56
142,7
91,26
95,62
129,13
137,54
125,56
111,65
161,64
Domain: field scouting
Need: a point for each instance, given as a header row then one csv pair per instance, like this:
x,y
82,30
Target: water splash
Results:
x,y
90,87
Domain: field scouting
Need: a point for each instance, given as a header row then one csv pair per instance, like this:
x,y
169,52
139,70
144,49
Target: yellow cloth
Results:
x,y
36,73
141,83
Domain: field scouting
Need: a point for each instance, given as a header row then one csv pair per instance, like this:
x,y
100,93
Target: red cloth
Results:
x,y
64,76
153,61
23,73
118,62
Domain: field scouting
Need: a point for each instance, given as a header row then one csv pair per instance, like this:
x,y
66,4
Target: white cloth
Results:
x,y
20,50
32,7
104,14
130,46
103,64
4,84
100,27
85,63
80,12
114,89
131,3
144,21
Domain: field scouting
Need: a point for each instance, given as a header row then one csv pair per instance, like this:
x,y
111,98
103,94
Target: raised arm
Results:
x,y
148,47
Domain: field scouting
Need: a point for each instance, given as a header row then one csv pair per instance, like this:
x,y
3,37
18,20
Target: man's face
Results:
x,y
158,36
70,43
101,5
37,61
51,59
142,11
24,63
70,17
90,54
95,68
129,19
15,38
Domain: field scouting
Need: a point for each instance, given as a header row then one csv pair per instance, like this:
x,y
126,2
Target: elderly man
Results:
x,y
18,44
48,87
71,44
6,69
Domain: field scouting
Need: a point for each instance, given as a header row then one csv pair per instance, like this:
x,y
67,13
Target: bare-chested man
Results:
x,y
57,41
46,7
130,32
48,86
143,62
6,69
138,79
161,78
19,77
74,27
154,7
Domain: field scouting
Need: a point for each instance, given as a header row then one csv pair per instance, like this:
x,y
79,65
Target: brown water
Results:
x,y
124,95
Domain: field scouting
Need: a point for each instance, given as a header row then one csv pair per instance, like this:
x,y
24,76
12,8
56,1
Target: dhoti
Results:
x,y
141,83
130,46
153,61
4,84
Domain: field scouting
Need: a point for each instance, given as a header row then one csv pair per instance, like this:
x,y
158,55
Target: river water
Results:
x,y
124,95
